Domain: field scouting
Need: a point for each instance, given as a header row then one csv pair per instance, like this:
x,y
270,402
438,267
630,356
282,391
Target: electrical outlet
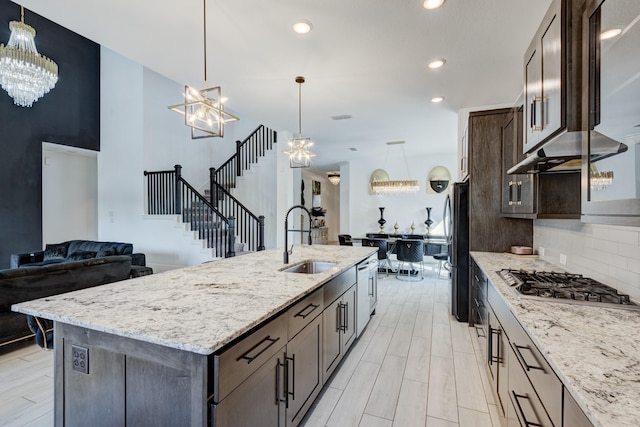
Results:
x,y
80,359
540,251
563,259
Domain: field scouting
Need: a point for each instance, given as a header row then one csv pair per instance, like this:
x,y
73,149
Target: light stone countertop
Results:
x,y
201,308
595,351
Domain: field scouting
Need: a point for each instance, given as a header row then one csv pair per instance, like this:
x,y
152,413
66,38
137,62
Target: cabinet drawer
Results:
x,y
337,286
301,314
525,408
240,360
528,358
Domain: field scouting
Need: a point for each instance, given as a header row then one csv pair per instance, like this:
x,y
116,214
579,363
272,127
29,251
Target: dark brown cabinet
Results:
x,y
488,230
552,73
518,190
339,324
536,196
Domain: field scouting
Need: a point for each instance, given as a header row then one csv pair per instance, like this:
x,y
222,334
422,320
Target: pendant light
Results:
x,y
381,186
203,110
25,74
299,146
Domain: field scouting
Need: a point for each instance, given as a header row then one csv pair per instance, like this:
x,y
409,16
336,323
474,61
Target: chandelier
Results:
x,y
299,152
395,187
25,74
334,177
203,110
600,180
380,184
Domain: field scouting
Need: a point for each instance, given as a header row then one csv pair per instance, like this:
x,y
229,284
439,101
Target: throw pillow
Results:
x,y
80,255
57,250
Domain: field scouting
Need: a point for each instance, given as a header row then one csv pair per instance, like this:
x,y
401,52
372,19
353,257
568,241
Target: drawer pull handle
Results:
x,y
304,316
250,359
293,377
278,379
494,358
521,359
521,411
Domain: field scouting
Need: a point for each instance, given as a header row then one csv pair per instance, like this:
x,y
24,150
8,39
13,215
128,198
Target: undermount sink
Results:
x,y
309,267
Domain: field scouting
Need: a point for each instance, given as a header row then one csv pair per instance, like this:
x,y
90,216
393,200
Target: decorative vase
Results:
x,y
413,228
395,228
429,221
381,221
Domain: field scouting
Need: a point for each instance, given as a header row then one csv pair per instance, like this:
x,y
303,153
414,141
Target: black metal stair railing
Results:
x,y
247,153
169,194
250,227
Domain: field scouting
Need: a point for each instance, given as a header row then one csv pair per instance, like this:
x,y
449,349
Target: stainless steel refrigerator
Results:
x,y
460,252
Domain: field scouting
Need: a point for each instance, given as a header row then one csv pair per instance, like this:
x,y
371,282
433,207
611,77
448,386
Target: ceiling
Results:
x,y
363,58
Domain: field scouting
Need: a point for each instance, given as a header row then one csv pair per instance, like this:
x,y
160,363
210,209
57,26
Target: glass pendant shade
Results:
x,y
334,177
25,74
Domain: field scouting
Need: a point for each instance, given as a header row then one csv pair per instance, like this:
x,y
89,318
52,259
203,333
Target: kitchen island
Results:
x,y
151,350
593,350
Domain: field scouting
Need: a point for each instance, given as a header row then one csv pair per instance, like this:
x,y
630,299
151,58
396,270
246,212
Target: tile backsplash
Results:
x,y
608,253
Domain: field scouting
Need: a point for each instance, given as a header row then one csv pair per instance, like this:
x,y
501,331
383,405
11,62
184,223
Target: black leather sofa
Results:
x,y
60,268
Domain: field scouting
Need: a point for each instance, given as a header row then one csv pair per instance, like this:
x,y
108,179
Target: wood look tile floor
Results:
x,y
414,365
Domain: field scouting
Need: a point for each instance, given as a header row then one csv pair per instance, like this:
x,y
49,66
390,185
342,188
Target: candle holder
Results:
x,y
429,221
382,221
395,228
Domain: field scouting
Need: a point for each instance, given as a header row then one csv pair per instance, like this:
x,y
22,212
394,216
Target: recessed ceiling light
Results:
x,y
353,149
437,99
302,27
432,4
609,34
437,63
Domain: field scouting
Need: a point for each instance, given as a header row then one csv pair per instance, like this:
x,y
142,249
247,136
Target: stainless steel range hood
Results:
x,y
564,152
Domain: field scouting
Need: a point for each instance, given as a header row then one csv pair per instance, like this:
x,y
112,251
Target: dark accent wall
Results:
x,y
68,115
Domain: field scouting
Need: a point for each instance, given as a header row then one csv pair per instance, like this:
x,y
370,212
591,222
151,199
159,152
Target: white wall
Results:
x,y
69,193
610,254
360,211
139,132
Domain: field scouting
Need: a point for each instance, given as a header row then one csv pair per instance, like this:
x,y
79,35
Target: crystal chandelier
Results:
x,y
395,187
386,186
601,180
334,177
299,152
203,110
25,74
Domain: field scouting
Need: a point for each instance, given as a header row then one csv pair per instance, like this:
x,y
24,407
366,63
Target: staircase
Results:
x,y
170,194
250,227
220,217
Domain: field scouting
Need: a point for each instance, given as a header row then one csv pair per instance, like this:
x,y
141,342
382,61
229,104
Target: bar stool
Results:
x,y
409,251
381,244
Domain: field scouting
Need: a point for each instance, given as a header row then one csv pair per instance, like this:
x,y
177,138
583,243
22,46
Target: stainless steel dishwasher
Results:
x,y
367,291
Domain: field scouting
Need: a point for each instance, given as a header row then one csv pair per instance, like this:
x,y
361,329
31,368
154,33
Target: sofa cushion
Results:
x,y
80,255
106,251
101,248
56,250
43,263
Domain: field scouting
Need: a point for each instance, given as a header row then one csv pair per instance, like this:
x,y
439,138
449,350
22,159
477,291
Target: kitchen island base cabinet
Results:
x,y
339,329
128,382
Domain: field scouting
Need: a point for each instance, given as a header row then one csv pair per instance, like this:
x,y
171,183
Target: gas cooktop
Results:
x,y
565,287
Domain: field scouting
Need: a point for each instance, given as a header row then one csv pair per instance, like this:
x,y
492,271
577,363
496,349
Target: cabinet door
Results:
x,y
551,46
508,160
348,318
331,348
259,401
304,371
533,99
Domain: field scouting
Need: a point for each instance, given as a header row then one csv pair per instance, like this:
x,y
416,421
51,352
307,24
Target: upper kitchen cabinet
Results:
x,y
611,113
544,195
552,75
